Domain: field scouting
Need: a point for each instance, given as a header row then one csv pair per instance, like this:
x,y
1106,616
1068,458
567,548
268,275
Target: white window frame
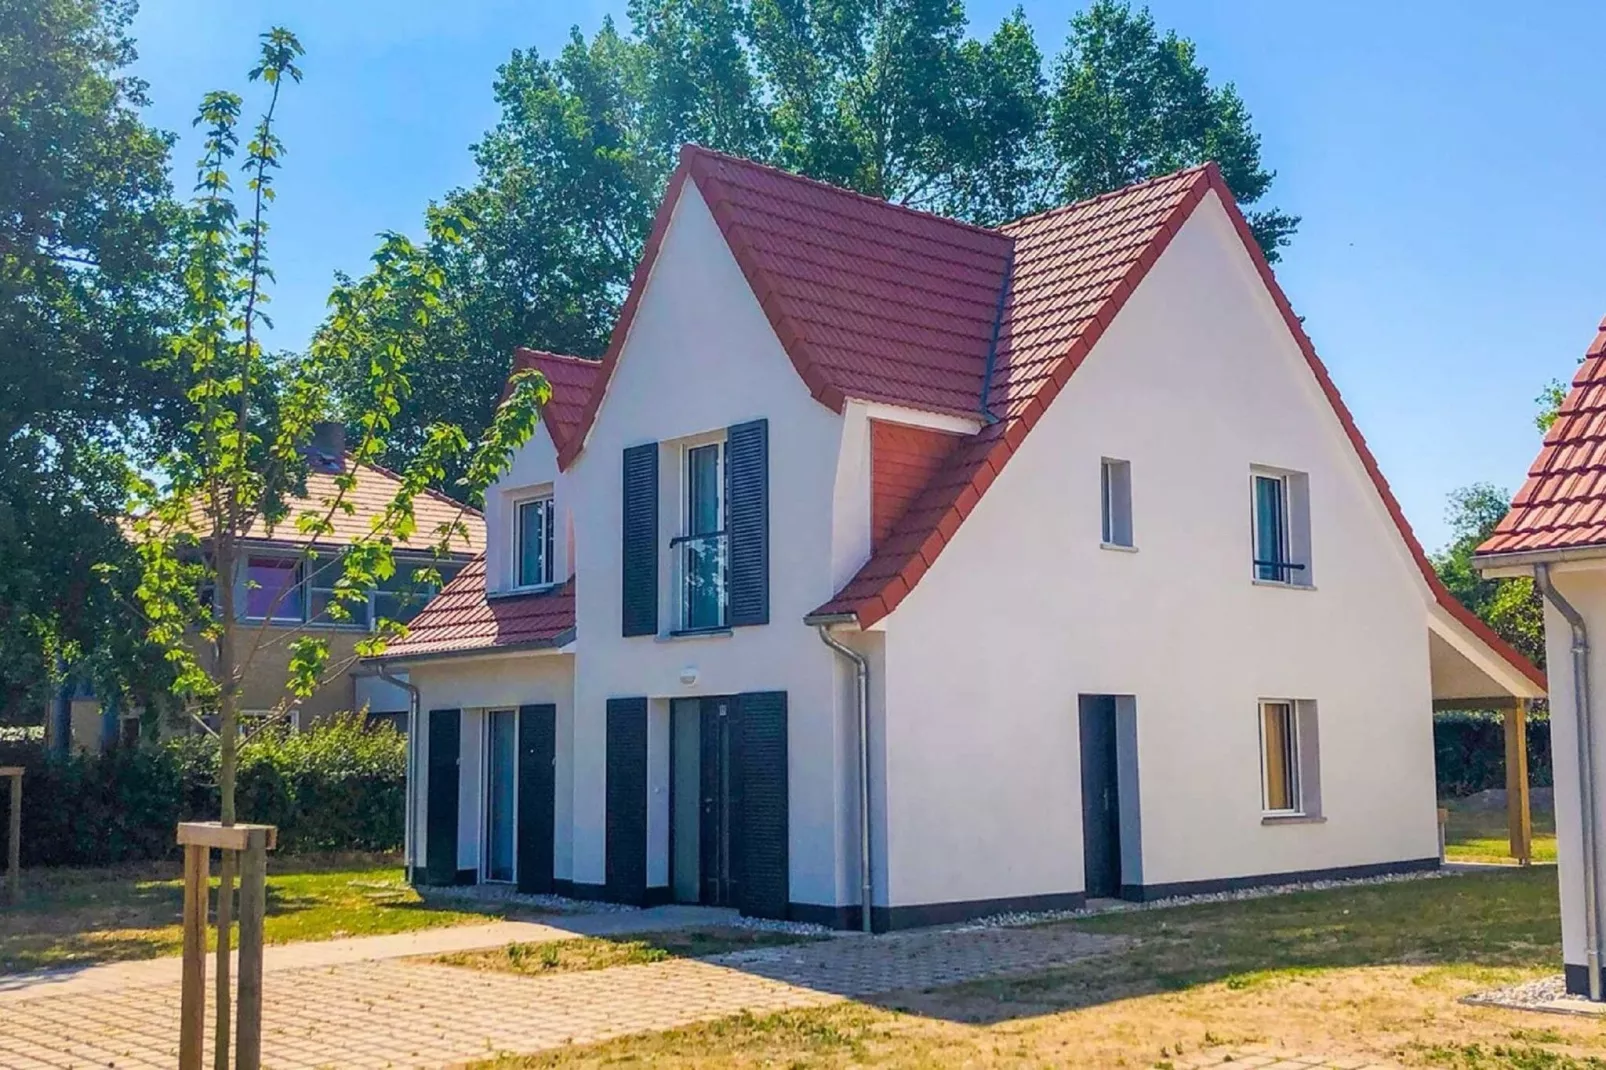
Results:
x,y
1115,504
1293,549
1293,759
680,608
549,546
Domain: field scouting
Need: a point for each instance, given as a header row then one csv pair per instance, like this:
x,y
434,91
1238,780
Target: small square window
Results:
x,y
1280,503
535,542
1115,491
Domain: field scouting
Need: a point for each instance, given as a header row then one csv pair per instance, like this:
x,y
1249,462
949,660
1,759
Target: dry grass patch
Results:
x,y
600,953
1373,971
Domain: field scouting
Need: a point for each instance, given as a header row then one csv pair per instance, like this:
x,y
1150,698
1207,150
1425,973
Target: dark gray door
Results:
x,y
1101,797
538,736
715,835
440,820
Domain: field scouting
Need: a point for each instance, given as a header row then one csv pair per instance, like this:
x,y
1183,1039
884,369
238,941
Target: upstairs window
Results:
x,y
273,589
700,549
1281,527
1115,491
535,542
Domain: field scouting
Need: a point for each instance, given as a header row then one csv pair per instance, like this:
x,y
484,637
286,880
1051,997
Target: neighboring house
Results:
x,y
277,585
1069,506
1555,532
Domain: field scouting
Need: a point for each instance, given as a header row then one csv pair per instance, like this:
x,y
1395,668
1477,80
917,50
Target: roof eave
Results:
x,y
1486,563
534,646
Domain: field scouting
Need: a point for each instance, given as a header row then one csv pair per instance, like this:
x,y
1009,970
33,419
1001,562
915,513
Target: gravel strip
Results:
x,y
1548,994
1107,907
501,893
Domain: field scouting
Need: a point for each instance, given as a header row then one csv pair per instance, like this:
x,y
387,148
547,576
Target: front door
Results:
x,y
501,794
716,770
1101,799
538,736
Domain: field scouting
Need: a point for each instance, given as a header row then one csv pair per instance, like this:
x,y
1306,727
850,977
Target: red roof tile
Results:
x,y
572,380
1562,505
461,618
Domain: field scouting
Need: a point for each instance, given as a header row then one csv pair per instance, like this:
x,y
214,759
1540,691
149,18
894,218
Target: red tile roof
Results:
x,y
1563,503
461,618
375,488
874,301
572,380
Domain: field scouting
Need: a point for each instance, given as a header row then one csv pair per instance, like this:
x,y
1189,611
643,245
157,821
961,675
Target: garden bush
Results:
x,y
338,785
1470,752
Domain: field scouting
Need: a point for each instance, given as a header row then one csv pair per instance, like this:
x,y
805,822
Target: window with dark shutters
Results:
x,y
640,575
747,507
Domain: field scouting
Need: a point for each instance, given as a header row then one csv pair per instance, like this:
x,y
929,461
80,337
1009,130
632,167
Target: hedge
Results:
x,y
339,785
1470,752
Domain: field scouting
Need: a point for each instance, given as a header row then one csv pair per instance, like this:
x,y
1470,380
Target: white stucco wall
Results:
x,y
1584,586
475,685
1197,380
700,357
534,472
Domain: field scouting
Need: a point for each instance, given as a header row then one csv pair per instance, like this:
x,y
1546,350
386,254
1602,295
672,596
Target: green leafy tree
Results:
x,y
240,456
1510,606
1128,102
86,236
894,99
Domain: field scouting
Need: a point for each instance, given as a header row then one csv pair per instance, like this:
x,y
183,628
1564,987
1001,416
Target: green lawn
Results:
x,y
133,911
600,953
1480,835
1372,972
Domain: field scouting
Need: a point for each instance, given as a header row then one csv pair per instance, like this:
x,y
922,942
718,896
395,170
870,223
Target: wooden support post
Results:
x,y
228,861
14,835
1518,816
192,1005
253,906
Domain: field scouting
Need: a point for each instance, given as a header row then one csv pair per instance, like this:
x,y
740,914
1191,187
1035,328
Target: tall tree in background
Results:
x,y
86,235
1510,606
1128,103
893,99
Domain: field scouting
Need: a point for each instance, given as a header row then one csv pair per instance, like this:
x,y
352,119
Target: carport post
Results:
x,y
1518,817
14,835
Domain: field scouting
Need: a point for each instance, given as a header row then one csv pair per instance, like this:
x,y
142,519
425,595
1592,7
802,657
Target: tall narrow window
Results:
x,y
535,542
1280,503
701,549
1115,487
1279,744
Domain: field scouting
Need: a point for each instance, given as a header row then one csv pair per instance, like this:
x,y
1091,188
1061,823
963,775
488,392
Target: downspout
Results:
x,y
861,671
409,835
1586,771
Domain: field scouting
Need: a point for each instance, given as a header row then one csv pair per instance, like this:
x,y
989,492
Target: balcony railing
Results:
x,y
1276,571
700,579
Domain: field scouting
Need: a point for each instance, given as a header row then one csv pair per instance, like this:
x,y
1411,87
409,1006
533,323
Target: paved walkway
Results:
x,y
390,1012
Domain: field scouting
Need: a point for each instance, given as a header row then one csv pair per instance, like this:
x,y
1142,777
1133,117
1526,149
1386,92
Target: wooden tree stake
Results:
x,y
192,1011
253,906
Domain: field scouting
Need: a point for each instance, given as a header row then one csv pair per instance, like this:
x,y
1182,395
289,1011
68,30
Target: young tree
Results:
x,y
241,457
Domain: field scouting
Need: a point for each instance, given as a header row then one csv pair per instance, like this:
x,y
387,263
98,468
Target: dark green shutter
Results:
x,y
440,786
538,737
763,883
747,519
640,527
625,835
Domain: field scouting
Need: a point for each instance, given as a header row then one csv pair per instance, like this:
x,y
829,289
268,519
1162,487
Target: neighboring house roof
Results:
x,y
572,380
1562,505
375,489
461,618
879,302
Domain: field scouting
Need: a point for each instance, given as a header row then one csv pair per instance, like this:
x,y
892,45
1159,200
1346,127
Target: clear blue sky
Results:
x,y
1446,157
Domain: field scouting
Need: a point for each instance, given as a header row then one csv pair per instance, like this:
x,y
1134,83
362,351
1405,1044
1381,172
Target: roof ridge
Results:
x,y
547,354
1119,191
693,148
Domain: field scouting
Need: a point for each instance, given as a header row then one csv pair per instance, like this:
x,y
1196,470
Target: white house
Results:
x,y
1556,533
1054,543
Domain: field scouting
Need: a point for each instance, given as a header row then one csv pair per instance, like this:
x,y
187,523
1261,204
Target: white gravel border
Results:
x,y
1548,995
